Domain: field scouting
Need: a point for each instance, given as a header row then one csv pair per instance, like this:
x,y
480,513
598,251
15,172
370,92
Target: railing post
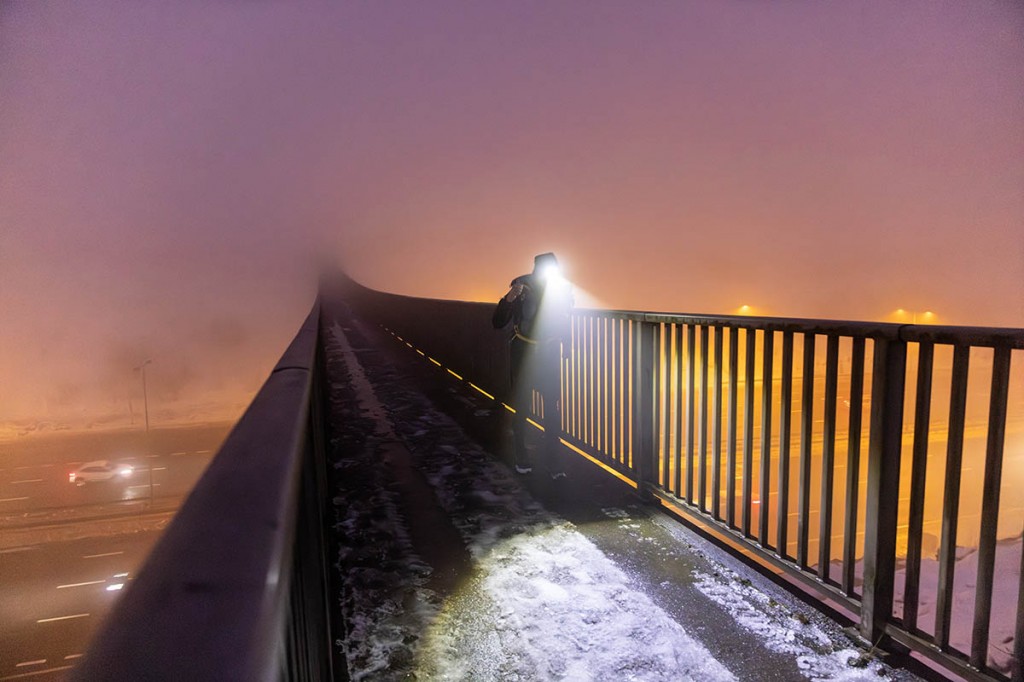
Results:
x,y
643,408
887,386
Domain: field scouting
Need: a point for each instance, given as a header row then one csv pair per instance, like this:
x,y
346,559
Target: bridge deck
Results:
x,y
450,566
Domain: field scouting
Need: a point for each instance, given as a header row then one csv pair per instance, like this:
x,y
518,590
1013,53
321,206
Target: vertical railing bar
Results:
x,y
730,498
918,471
584,379
666,449
951,494
806,431
646,408
1017,672
613,450
636,341
716,443
599,395
767,362
990,506
592,382
574,373
564,386
609,383
678,328
828,458
888,379
702,463
785,434
567,378
656,440
595,384
748,429
623,392
629,390
579,394
605,388
691,399
853,466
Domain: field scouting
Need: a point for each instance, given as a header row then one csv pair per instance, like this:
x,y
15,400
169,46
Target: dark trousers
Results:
x,y
537,367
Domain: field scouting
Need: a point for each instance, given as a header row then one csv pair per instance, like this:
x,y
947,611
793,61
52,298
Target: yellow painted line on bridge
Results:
x,y
474,386
613,472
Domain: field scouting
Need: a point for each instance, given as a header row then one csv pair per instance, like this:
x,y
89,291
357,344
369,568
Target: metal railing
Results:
x,y
718,418
237,586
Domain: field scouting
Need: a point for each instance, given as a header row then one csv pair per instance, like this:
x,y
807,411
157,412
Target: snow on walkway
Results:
x,y
543,602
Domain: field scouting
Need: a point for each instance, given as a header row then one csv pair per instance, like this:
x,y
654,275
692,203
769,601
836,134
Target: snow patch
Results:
x,y
784,631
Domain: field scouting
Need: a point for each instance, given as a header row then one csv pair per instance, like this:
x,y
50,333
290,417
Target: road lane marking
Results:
x,y
91,582
39,662
34,673
159,468
97,556
50,620
71,656
20,468
13,499
202,452
178,454
152,456
12,550
28,480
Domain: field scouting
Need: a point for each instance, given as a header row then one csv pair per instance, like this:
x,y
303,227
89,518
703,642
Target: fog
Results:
x,y
172,175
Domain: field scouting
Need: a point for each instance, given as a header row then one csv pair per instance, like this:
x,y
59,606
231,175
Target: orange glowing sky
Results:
x,y
170,173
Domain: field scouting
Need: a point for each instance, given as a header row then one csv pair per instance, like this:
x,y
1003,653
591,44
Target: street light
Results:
x,y
145,402
926,317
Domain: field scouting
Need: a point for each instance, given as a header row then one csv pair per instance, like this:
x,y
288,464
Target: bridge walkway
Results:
x,y
451,566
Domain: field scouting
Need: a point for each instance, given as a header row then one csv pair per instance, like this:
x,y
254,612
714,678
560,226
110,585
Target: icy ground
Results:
x,y
541,600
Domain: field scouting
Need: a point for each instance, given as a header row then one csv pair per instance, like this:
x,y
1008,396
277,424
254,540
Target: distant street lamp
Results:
x,y
145,401
926,317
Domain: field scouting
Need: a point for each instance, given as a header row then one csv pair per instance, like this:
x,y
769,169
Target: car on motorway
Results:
x,y
98,471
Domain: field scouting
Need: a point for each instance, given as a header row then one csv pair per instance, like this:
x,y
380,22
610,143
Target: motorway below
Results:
x,y
67,552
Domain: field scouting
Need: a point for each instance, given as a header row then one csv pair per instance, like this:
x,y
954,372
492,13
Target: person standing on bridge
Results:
x,y
538,305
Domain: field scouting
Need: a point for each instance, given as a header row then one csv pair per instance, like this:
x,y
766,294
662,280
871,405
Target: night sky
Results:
x,y
172,173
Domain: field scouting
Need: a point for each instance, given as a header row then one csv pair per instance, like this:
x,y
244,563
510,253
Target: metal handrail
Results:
x,y
655,397
217,597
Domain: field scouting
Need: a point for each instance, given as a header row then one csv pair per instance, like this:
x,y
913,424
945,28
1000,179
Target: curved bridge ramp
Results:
x,y
449,566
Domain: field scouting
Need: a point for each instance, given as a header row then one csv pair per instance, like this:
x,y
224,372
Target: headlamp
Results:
x,y
552,274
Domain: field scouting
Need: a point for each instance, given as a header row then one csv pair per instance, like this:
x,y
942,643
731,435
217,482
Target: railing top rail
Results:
x,y
945,334
1010,337
207,604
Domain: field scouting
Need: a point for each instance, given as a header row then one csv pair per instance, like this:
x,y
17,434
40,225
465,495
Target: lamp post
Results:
x,y
145,402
